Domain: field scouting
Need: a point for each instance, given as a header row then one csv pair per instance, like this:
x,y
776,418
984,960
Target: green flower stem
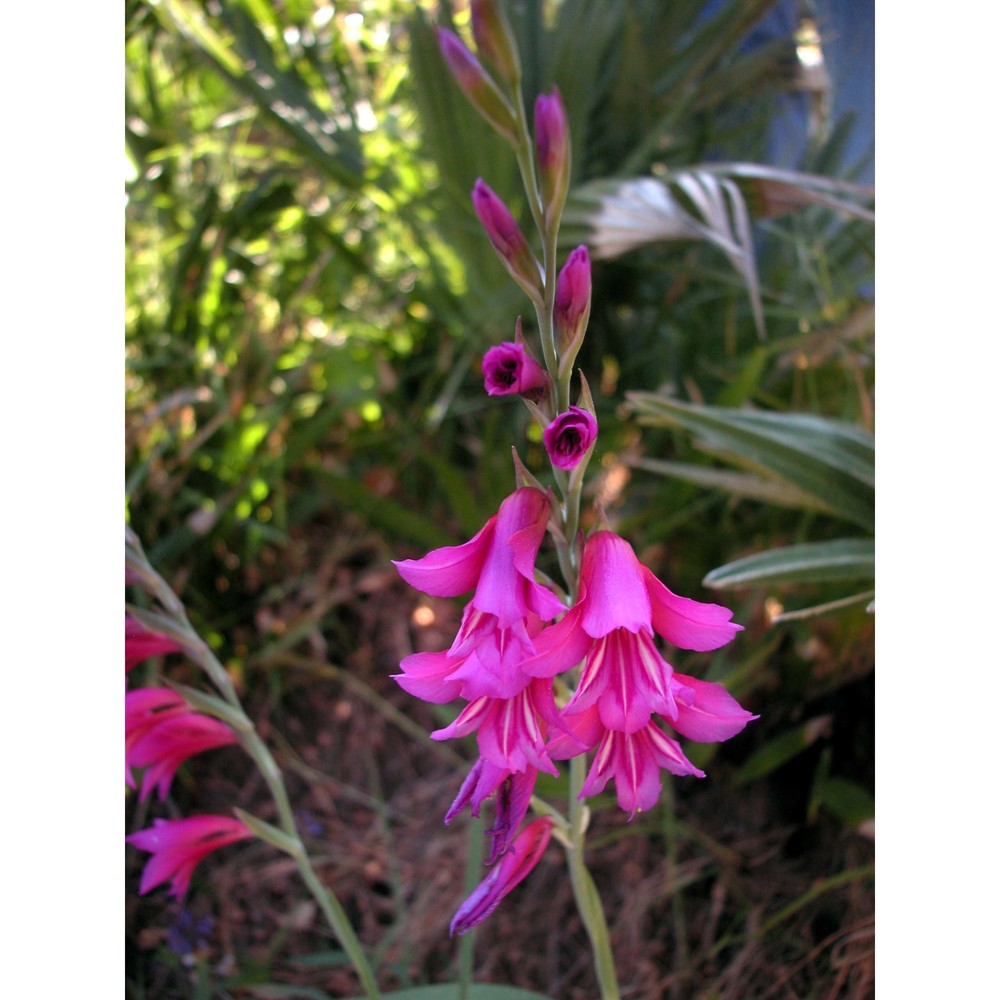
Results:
x,y
584,891
588,902
257,749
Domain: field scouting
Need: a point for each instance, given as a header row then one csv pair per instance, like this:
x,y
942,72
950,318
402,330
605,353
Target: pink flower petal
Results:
x,y
451,570
706,711
429,677
615,593
686,623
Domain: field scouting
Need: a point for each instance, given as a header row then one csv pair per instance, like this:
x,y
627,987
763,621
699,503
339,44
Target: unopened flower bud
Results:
x,y
570,436
510,871
477,85
553,152
507,239
508,369
571,310
494,39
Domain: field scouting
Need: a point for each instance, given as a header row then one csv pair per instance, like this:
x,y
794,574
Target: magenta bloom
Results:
x,y
504,614
141,644
511,732
569,437
508,369
161,732
625,681
510,871
512,792
177,845
510,710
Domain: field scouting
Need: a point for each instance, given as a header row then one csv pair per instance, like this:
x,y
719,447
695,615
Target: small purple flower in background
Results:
x,y
178,845
141,644
570,436
185,937
510,871
161,732
509,369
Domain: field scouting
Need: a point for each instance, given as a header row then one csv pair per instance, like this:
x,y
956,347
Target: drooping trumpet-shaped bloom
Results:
x,y
509,710
511,732
141,644
504,614
161,732
178,845
625,681
512,791
510,871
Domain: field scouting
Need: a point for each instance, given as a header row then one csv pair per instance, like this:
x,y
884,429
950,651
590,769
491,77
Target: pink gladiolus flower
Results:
x,y
508,369
512,869
504,614
625,681
510,732
178,845
513,793
161,732
569,437
509,709
141,644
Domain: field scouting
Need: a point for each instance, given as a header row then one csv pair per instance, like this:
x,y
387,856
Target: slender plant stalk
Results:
x,y
200,653
584,891
588,902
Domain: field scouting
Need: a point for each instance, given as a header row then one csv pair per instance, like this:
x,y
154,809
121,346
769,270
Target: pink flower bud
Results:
x,y
477,85
553,151
507,239
572,306
494,39
508,369
569,437
515,866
